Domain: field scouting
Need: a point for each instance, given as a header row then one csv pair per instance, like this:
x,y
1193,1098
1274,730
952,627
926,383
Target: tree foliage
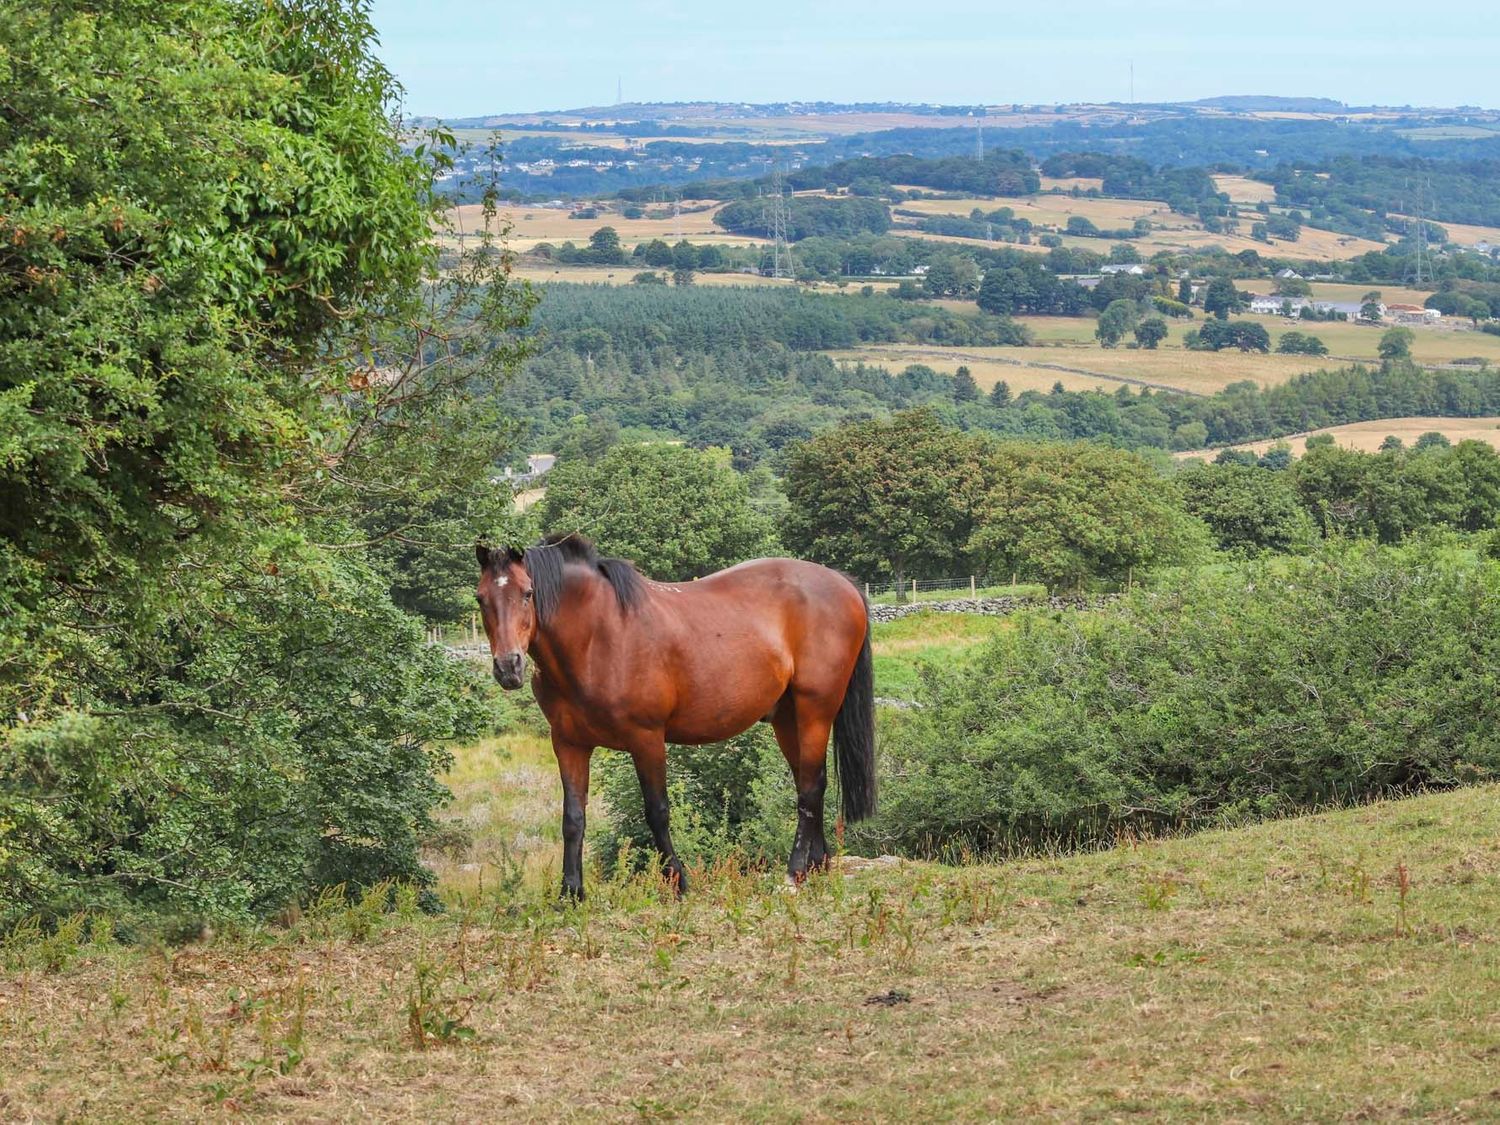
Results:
x,y
678,513
228,367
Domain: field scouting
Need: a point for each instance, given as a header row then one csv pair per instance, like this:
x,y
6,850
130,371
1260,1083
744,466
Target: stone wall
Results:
x,y
989,607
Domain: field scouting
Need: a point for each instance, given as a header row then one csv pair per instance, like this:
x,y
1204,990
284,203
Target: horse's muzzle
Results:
x,y
508,670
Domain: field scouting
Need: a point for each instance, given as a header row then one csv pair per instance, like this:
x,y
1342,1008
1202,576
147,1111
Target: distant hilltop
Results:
x,y
1269,103
728,114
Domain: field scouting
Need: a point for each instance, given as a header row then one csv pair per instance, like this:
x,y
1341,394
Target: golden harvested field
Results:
x,y
1241,189
988,366
1171,231
1068,183
1466,235
535,270
1095,368
531,225
1367,436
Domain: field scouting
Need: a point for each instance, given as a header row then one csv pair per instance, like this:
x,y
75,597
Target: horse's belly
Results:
x,y
724,702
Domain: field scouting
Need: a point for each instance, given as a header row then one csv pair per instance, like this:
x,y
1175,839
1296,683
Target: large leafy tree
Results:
x,y
893,497
677,512
1250,510
229,368
1064,512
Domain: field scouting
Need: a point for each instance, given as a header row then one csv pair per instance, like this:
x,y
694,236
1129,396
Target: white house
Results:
x,y
1135,269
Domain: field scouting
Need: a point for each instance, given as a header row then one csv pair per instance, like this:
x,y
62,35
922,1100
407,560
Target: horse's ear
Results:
x,y
482,553
516,554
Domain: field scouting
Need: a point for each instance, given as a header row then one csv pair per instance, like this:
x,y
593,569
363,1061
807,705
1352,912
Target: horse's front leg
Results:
x,y
573,765
651,771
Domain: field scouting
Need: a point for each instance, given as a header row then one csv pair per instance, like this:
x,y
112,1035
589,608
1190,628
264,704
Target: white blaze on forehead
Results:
x,y
502,580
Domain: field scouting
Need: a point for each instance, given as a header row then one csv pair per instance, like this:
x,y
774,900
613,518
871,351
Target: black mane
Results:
x,y
545,563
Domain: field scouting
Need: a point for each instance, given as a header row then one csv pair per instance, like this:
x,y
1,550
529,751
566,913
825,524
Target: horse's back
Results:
x,y
815,614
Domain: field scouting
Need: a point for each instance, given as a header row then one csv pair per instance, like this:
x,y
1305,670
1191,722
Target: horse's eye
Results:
x,y
526,597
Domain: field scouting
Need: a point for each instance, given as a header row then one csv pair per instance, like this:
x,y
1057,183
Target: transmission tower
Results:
x,y
778,217
1421,207
979,137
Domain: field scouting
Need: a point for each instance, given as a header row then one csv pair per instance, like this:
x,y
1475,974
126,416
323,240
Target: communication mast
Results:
x,y
778,218
979,136
1421,207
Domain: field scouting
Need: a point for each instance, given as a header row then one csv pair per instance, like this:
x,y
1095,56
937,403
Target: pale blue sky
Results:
x,y
465,57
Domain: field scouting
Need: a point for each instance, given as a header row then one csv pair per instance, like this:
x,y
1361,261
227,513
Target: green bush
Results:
x,y
728,798
1250,693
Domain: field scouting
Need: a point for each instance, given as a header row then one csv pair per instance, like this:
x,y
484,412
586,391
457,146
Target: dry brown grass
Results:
x,y
1281,972
1241,189
988,366
531,225
1466,234
1096,368
1171,231
532,269
1367,436
1068,183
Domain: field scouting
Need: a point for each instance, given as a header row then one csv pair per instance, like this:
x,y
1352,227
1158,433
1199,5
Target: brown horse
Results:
x,y
630,664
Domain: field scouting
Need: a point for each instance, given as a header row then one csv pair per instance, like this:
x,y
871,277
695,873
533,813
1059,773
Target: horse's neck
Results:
x,y
586,626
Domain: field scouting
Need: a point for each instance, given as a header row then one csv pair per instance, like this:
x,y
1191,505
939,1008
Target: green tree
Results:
x,y
604,245
1249,510
1063,513
951,275
1221,298
210,702
1395,343
1000,393
964,387
677,512
1118,318
890,497
1151,332
1300,343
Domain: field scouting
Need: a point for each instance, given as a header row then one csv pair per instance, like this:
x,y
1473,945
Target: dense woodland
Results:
x,y
734,367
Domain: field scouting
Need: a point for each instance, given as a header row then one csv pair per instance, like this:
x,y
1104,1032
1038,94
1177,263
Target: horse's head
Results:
x,y
507,604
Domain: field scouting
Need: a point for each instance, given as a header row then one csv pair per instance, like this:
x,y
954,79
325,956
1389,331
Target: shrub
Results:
x,y
733,797
1250,693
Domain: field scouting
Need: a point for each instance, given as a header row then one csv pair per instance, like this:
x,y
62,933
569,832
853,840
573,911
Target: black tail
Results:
x,y
854,737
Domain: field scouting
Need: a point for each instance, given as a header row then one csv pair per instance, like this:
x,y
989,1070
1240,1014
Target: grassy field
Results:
x,y
1367,436
1339,966
900,648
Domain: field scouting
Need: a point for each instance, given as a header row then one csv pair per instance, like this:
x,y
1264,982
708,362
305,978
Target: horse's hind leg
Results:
x,y
651,771
803,739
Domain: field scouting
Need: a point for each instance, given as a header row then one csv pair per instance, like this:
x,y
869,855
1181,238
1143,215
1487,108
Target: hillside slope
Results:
x,y
1339,965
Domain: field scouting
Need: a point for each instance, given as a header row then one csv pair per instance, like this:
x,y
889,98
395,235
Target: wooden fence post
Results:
x,y
867,591
973,590
913,589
